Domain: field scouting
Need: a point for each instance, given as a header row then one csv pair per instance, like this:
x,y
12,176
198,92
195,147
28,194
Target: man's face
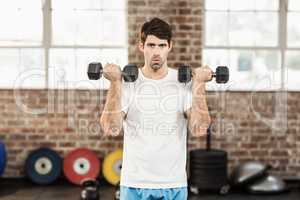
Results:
x,y
155,51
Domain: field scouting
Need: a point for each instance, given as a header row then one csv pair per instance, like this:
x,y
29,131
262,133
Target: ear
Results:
x,y
171,46
141,47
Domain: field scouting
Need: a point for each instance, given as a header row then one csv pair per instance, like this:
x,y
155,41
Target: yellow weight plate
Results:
x,y
112,166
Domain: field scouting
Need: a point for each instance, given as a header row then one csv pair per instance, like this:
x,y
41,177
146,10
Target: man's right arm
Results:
x,y
111,119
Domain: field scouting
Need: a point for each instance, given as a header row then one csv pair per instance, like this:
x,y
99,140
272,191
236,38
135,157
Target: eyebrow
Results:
x,y
161,44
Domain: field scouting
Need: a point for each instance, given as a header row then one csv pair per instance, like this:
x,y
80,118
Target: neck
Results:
x,y
148,72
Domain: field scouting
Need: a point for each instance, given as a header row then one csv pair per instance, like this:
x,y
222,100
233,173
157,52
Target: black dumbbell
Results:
x,y
90,190
130,72
185,74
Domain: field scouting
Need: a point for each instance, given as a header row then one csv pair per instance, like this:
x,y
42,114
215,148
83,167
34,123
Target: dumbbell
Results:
x,y
130,72
90,191
185,74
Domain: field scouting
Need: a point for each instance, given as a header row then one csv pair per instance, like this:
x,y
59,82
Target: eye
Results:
x,y
151,45
162,45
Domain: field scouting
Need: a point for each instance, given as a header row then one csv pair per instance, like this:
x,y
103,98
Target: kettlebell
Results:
x,y
90,190
117,191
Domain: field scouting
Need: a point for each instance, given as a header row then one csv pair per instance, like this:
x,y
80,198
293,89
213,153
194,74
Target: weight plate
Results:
x,y
43,166
112,165
81,164
2,158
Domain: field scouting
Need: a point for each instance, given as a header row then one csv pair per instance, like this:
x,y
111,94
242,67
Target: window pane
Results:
x,y
114,28
216,4
62,68
113,4
216,28
87,4
32,5
242,5
253,29
83,58
294,5
293,30
242,29
293,73
267,5
32,68
76,4
64,27
24,26
239,5
89,28
22,68
68,67
9,67
266,29
249,70
76,28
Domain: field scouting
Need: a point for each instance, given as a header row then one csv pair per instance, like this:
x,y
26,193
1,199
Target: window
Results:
x,y
256,39
293,45
49,43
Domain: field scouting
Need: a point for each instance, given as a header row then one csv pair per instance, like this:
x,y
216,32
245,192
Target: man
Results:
x,y
155,112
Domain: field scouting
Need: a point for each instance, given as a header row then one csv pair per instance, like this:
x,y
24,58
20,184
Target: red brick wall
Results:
x,y
242,120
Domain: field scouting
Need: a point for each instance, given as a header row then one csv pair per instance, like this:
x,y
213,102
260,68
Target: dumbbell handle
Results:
x,y
221,74
129,73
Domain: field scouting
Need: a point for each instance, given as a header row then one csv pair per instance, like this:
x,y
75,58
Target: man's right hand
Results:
x,y
112,72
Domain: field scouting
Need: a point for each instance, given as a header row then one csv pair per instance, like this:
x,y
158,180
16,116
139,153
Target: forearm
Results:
x,y
111,118
199,120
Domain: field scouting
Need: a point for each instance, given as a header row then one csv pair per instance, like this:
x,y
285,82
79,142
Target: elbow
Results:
x,y
199,127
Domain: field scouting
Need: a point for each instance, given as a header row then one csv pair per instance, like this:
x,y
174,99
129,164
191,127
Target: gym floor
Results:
x,y
13,189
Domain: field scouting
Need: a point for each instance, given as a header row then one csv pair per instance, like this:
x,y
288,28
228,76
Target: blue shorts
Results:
x,y
130,193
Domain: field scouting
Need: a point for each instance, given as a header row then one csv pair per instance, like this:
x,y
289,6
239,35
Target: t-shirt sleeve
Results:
x,y
125,96
188,97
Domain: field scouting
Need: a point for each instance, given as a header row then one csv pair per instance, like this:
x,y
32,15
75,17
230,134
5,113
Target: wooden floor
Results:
x,y
13,189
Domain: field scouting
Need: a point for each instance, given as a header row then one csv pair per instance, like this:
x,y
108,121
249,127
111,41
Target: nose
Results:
x,y
156,51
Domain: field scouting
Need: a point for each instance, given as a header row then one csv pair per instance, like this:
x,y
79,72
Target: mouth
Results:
x,y
156,59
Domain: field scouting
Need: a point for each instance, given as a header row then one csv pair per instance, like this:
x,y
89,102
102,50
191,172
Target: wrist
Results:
x,y
116,82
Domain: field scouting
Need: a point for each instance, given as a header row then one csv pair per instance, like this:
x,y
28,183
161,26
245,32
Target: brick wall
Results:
x,y
246,124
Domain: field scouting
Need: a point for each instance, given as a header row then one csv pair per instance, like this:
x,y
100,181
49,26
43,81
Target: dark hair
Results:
x,y
158,28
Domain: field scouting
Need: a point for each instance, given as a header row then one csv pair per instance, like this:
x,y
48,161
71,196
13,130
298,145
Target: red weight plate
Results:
x,y
81,164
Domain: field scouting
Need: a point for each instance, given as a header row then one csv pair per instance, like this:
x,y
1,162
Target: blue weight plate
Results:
x,y
43,166
2,158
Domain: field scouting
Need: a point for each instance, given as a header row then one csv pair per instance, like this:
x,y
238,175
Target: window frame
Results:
x,y
47,45
281,47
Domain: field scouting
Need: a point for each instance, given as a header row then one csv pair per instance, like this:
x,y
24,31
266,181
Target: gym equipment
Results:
x,y
247,172
3,158
81,164
117,192
185,74
43,166
208,169
268,185
253,177
112,165
130,72
90,190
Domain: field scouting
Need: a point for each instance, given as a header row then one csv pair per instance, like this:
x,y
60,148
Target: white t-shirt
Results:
x,y
155,132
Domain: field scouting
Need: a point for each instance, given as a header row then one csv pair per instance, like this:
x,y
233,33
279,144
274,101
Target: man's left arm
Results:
x,y
198,114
